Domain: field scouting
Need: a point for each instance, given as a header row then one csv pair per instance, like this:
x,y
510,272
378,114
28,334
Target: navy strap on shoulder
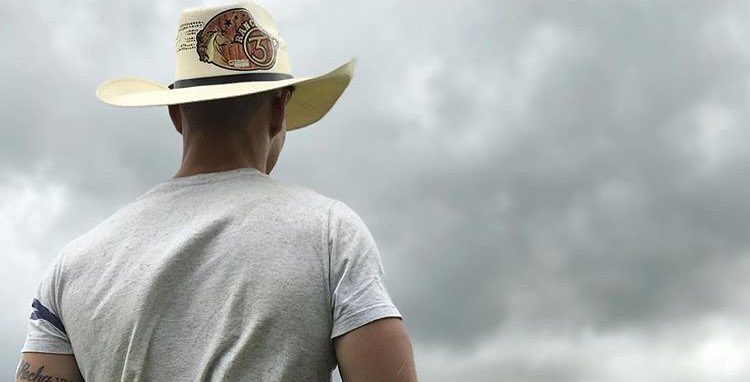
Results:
x,y
42,313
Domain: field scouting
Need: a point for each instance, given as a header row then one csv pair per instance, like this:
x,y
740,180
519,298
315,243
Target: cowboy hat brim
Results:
x,y
312,98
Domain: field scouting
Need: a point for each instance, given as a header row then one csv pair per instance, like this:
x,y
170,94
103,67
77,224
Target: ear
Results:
x,y
278,111
176,116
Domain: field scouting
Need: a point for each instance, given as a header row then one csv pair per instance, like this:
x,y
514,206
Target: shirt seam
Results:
x,y
64,346
330,261
351,322
350,315
176,182
46,341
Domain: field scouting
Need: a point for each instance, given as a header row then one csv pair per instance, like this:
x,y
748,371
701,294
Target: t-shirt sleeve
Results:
x,y
46,332
358,295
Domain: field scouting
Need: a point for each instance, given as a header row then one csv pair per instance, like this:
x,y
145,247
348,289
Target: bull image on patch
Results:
x,y
232,40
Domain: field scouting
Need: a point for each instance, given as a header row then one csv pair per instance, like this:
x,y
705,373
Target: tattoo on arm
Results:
x,y
24,374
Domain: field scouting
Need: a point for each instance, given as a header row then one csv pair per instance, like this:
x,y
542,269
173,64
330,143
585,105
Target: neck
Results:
x,y
206,153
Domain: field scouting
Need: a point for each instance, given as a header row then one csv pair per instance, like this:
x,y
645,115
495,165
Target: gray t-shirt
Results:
x,y
224,276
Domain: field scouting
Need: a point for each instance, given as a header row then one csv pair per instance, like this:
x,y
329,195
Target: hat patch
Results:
x,y
232,40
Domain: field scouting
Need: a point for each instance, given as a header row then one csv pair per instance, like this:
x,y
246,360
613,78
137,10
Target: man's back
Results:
x,y
219,276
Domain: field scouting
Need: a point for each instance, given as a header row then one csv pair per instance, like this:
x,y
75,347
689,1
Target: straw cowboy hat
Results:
x,y
231,51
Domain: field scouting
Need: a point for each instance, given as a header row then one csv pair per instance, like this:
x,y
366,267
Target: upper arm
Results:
x,y
378,351
358,292
368,332
47,353
48,367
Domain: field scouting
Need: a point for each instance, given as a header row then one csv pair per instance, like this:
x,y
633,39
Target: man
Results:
x,y
222,273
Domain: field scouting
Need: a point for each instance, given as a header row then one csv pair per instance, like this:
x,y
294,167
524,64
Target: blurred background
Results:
x,y
556,187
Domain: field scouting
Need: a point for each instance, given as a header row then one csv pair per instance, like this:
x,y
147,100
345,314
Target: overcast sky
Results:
x,y
556,187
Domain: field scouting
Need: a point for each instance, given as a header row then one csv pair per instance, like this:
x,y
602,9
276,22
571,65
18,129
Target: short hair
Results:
x,y
227,114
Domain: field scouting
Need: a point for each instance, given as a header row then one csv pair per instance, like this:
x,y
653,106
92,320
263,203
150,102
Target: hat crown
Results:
x,y
232,39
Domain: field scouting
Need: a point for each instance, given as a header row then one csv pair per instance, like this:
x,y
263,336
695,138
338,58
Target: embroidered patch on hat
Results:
x,y
232,40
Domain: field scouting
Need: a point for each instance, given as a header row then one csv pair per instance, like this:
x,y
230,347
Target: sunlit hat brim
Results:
x,y
313,97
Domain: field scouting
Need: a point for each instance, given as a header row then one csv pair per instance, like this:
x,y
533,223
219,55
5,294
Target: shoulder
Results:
x,y
339,215
298,196
299,202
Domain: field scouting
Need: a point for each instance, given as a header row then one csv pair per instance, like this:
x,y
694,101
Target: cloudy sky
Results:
x,y
556,187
